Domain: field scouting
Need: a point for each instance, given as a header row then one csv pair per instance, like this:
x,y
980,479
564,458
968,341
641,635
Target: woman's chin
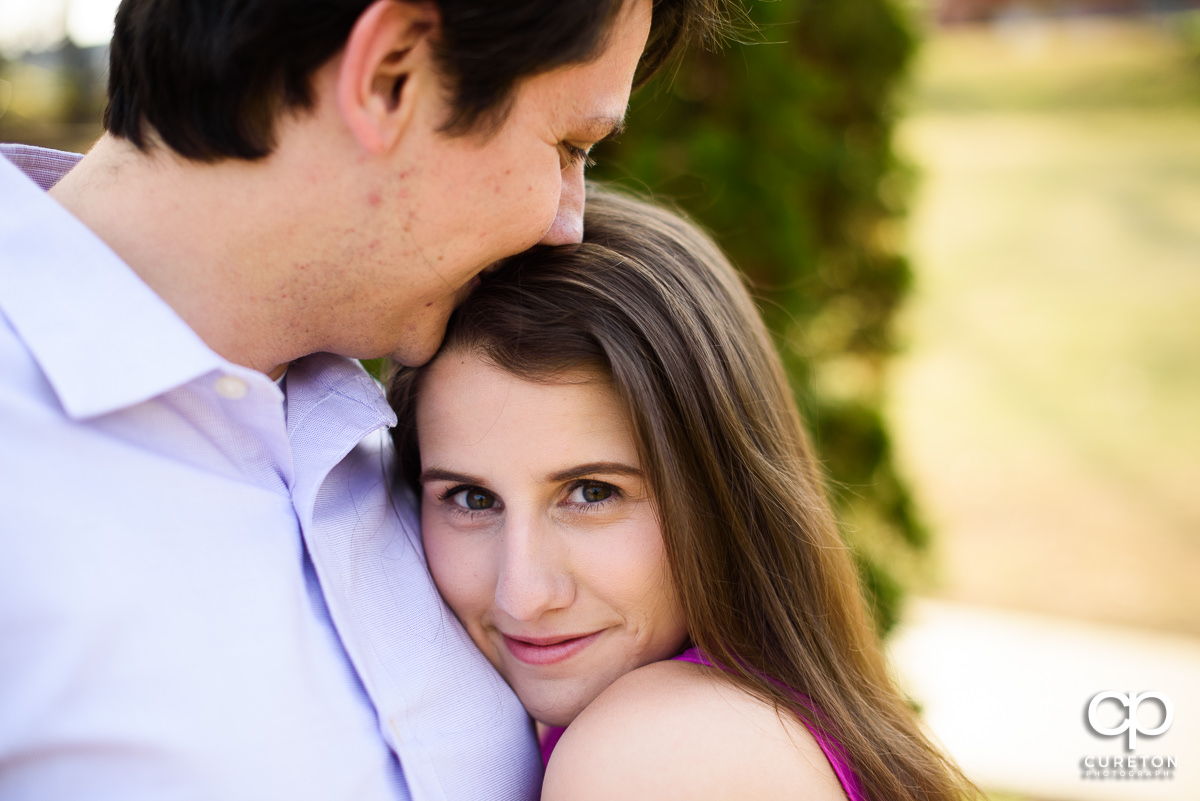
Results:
x,y
556,715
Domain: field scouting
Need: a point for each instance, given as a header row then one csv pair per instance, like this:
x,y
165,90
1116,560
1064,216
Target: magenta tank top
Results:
x,y
832,749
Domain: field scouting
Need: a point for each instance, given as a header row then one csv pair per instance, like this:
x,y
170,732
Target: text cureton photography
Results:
x,y
1122,710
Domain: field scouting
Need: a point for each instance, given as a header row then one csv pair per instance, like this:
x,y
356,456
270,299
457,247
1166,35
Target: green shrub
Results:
x,y
781,146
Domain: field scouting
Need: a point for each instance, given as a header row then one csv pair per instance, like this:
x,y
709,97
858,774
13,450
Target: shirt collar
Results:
x,y
312,379
102,337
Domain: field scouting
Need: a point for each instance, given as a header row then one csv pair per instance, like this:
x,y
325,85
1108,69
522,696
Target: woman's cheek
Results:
x,y
458,569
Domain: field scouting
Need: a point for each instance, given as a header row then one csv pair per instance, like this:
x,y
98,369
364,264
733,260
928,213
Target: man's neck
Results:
x,y
207,238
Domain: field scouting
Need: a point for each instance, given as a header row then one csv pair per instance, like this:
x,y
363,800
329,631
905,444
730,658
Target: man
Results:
x,y
206,590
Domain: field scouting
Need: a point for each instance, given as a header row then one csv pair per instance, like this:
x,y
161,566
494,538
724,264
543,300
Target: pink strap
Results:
x,y
550,739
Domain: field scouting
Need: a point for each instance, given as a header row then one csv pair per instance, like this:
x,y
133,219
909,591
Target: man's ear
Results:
x,y
388,44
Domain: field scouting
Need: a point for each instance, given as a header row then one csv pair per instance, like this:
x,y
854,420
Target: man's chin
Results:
x,y
416,354
405,359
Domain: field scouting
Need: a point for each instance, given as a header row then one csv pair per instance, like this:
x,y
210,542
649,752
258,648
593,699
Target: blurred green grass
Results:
x,y
1061,65
1046,407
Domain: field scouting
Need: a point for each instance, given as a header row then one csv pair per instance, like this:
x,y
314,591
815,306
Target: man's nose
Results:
x,y
567,228
533,579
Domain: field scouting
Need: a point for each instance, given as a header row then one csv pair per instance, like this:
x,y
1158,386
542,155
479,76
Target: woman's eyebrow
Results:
x,y
592,468
438,474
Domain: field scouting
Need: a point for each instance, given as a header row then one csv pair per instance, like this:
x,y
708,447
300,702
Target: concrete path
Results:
x,y
1008,693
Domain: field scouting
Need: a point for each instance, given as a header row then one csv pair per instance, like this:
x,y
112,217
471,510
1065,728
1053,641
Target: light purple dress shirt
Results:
x,y
203,596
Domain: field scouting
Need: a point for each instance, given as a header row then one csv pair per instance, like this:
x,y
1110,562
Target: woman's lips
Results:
x,y
547,650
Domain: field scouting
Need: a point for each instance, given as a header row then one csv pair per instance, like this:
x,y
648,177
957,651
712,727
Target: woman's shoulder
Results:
x,y
681,730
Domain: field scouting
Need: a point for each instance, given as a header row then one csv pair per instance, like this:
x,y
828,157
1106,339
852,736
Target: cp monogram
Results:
x,y
1131,723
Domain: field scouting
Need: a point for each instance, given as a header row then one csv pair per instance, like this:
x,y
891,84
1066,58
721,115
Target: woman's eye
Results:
x,y
473,498
592,493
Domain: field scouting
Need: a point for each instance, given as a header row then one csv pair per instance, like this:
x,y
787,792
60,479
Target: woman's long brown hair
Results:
x,y
768,587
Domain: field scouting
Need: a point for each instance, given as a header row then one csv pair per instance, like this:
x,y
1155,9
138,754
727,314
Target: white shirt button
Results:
x,y
231,387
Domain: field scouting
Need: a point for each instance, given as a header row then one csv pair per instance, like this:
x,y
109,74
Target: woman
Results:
x,y
620,504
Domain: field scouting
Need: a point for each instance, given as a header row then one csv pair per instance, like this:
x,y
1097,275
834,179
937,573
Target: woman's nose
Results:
x,y
534,576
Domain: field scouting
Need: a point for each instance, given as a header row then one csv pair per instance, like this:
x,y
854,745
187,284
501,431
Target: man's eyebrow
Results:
x,y
438,474
604,128
592,468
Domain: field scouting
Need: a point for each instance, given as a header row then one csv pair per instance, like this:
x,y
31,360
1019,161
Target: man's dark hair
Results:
x,y
210,77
